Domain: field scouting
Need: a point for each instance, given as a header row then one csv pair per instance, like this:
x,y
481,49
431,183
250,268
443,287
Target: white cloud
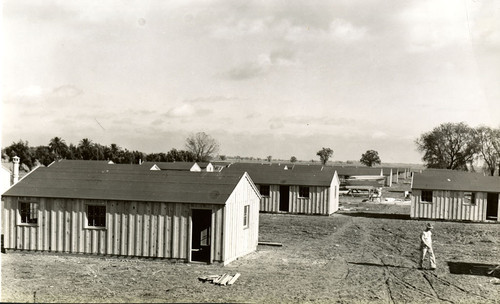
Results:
x,y
434,24
32,91
342,30
262,65
36,93
66,91
186,111
379,135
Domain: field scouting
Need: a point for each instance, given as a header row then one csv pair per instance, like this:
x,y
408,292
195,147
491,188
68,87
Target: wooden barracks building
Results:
x,y
118,210
455,195
297,189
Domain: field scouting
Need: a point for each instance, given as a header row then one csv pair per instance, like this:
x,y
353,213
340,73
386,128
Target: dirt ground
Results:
x,y
367,252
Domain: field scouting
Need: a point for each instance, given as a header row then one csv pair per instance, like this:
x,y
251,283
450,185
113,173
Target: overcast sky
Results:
x,y
276,78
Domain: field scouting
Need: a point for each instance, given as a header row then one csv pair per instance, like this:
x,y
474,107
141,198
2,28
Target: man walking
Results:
x,y
426,247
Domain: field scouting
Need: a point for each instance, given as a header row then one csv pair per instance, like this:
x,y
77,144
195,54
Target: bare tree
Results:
x,y
488,139
203,146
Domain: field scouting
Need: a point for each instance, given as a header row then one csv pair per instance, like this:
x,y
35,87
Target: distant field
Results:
x,y
317,162
369,253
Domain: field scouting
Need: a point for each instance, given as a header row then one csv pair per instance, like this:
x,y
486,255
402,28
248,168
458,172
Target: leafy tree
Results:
x,y
293,159
181,155
369,158
488,141
156,157
269,158
448,146
44,156
324,154
202,146
85,148
58,147
22,150
222,157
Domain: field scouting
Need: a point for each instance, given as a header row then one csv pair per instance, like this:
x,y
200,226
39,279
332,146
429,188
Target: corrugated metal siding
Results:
x,y
133,228
448,205
238,239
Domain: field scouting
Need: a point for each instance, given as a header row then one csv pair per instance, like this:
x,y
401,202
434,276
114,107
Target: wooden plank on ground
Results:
x,y
234,278
225,280
271,244
217,280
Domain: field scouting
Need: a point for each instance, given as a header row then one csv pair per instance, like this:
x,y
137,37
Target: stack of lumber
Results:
x,y
223,280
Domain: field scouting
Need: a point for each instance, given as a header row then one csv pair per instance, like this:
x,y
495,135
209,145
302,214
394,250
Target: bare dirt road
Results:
x,y
366,254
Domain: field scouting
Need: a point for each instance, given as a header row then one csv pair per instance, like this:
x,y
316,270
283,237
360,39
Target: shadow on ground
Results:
x,y
392,216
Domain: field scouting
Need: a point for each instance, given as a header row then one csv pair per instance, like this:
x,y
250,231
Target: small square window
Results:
x,y
28,213
246,216
303,192
265,190
426,196
470,198
96,216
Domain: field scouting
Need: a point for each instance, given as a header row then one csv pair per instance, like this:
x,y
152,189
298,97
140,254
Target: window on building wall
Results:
x,y
470,198
426,196
28,212
96,216
265,190
303,191
246,216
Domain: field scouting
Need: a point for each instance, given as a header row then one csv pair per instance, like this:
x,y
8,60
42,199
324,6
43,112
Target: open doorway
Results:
x,y
492,207
285,198
201,235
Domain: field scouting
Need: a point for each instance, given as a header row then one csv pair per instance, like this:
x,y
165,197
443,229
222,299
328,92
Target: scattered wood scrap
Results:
x,y
222,280
271,244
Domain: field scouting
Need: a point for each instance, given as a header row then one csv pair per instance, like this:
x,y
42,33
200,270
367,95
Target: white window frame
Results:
x,y
86,219
470,198
308,192
422,196
37,212
269,192
246,216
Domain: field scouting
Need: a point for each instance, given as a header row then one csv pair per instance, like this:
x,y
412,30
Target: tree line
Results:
x,y
199,147
457,146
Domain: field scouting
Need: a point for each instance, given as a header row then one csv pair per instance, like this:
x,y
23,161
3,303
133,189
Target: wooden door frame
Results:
x,y
190,234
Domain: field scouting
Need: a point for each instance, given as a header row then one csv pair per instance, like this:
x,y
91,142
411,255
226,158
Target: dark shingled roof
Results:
x,y
114,183
354,171
455,181
77,163
174,166
274,174
95,165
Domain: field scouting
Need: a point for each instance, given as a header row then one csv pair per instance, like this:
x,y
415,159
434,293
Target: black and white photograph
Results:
x,y
272,151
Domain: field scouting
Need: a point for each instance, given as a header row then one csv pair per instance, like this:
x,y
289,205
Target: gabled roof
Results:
x,y
350,171
114,183
175,166
78,163
274,174
455,181
71,164
203,165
